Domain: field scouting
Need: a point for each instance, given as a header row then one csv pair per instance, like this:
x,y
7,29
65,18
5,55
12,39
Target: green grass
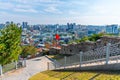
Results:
x,y
78,75
41,76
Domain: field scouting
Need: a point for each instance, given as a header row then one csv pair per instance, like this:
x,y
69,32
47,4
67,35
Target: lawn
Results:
x,y
77,75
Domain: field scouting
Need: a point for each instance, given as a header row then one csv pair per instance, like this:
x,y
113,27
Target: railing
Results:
x,y
12,66
104,55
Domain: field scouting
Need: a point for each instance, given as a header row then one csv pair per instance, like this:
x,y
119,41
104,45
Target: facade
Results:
x,y
81,34
71,26
91,32
24,25
112,29
7,23
2,25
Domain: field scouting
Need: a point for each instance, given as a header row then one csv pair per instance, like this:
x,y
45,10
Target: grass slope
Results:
x,y
79,75
41,76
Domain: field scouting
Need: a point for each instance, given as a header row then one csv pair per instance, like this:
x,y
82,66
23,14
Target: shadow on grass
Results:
x,y
67,76
94,76
112,72
97,73
72,73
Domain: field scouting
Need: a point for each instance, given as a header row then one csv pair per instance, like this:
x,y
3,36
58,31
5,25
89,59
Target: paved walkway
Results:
x,y
34,66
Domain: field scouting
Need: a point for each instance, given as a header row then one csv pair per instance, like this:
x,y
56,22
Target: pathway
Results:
x,y
34,66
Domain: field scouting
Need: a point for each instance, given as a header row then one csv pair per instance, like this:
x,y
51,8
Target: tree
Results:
x,y
86,38
10,39
28,50
54,43
95,37
47,45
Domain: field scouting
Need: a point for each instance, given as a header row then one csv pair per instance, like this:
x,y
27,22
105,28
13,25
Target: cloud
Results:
x,y
99,20
6,5
3,13
62,11
52,9
16,7
23,6
32,6
78,2
74,13
104,8
35,1
25,10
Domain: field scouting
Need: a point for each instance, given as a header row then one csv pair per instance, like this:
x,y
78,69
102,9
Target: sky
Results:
x,y
97,12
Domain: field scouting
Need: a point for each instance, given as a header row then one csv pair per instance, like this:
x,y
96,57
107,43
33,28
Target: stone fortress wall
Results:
x,y
86,46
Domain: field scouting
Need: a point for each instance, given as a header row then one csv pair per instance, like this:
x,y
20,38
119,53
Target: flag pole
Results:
x,y
56,34
57,39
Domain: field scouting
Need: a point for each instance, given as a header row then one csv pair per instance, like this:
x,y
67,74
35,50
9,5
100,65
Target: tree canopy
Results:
x,y
10,39
95,37
28,50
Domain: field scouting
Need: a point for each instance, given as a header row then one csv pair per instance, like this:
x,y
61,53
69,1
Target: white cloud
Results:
x,y
25,10
18,18
3,13
6,5
52,9
79,11
35,1
105,8
99,20
38,3
23,6
74,13
78,2
17,8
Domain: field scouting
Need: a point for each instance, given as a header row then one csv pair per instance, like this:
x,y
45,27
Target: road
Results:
x,y
34,66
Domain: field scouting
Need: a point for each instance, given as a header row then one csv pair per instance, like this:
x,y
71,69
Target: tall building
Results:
x,y
112,29
12,22
71,26
7,23
18,24
2,25
24,25
36,27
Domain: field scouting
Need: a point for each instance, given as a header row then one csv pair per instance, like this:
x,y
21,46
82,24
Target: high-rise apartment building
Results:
x,y
25,25
112,29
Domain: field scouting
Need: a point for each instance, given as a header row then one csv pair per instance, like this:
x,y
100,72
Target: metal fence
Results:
x,y
12,66
104,55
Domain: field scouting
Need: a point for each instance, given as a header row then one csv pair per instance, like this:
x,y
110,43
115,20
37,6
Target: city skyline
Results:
x,y
97,12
